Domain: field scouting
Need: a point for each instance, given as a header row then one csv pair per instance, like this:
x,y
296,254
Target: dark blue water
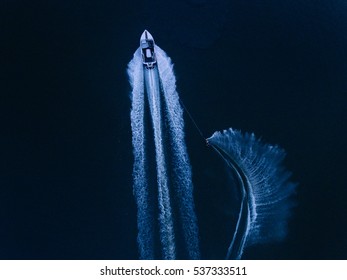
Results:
x,y
276,68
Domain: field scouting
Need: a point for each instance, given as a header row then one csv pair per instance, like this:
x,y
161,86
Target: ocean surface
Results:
x,y
275,68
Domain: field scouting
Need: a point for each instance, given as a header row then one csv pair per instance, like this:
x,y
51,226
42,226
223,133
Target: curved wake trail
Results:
x,y
266,189
174,208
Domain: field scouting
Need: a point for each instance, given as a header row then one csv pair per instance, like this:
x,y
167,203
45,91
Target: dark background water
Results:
x,y
275,68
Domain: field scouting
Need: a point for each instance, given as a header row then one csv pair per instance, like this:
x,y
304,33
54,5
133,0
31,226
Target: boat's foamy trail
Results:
x,y
165,212
182,183
174,208
144,218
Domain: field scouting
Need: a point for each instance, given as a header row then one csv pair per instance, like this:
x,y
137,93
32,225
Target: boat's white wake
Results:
x,y
167,226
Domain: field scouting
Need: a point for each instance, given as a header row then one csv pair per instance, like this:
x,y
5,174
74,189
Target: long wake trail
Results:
x,y
174,208
165,212
145,237
181,167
